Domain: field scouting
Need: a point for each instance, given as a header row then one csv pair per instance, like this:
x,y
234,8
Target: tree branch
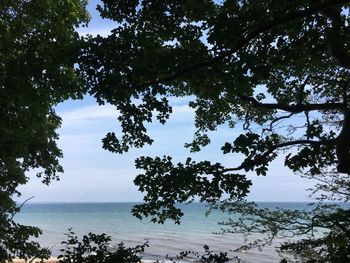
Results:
x,y
276,147
246,38
271,126
20,207
294,108
343,145
335,45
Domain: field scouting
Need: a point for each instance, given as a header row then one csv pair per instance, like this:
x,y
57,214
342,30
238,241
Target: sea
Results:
x,y
164,240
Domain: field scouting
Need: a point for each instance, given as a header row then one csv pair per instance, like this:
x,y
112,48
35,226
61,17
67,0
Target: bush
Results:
x,y
94,248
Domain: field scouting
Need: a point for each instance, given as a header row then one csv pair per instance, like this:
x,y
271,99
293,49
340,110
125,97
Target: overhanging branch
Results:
x,y
294,108
275,147
271,126
246,38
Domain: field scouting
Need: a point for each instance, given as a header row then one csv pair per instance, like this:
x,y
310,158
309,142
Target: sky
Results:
x,y
96,175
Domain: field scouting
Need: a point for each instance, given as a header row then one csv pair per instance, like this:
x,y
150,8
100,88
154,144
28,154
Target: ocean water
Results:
x,y
115,219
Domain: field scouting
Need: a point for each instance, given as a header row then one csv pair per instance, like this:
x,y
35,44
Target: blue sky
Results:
x,y
93,174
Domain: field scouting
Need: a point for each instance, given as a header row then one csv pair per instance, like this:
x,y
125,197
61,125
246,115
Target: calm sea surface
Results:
x,y
115,220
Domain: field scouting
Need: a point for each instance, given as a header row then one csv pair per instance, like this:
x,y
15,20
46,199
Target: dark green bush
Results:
x,y
94,248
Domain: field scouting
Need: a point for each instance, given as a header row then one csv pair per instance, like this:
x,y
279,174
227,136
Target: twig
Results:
x,y
19,208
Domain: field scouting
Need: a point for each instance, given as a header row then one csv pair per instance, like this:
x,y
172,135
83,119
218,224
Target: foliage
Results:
x,y
38,49
277,71
188,178
318,233
94,248
208,256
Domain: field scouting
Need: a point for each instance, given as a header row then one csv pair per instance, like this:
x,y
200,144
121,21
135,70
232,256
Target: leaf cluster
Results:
x,y
94,248
209,256
38,50
167,184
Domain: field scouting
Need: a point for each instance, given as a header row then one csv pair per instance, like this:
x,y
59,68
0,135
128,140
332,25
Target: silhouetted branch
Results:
x,y
275,147
246,38
19,208
276,120
294,108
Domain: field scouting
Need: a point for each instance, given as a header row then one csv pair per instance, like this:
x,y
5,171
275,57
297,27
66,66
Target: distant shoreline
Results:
x,y
139,202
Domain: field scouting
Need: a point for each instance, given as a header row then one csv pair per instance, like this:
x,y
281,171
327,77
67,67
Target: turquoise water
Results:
x,y
115,220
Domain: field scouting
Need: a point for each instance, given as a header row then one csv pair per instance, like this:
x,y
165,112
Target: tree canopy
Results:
x,y
38,50
278,70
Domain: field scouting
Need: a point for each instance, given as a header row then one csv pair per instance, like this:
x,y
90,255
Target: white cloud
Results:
x,y
183,109
180,100
88,113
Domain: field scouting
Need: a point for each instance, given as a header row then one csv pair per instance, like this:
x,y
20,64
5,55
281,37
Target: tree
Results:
x,y
94,249
319,233
280,69
259,64
38,49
